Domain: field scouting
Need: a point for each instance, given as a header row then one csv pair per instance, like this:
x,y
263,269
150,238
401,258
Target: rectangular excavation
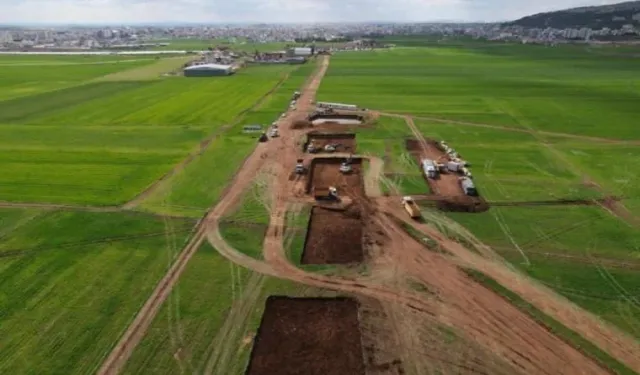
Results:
x,y
325,172
311,336
342,142
447,184
334,237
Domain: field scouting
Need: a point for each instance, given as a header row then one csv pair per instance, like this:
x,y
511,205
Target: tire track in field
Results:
x,y
229,197
203,146
516,130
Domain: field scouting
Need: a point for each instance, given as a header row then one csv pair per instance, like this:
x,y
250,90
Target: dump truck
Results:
x,y
411,207
429,168
468,186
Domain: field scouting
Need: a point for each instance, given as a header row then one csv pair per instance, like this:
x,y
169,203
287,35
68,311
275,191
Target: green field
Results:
x,y
549,89
72,282
489,102
105,142
97,132
195,188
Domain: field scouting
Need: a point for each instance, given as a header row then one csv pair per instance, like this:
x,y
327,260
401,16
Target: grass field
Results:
x,y
550,89
71,283
99,130
104,142
24,75
198,186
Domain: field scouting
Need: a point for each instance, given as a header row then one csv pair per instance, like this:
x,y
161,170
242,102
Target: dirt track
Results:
x,y
516,130
540,353
515,343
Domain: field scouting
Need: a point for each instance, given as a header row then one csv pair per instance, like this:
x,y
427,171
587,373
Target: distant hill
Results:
x,y
613,16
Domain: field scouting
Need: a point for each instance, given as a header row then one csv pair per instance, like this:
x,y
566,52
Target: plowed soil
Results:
x,y
333,237
447,184
311,336
325,172
346,141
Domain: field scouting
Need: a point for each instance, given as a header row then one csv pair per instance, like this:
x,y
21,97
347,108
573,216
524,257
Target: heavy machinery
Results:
x,y
326,194
411,207
300,168
468,186
345,167
330,147
430,169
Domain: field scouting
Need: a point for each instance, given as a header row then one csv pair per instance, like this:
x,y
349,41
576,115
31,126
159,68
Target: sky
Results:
x,y
273,11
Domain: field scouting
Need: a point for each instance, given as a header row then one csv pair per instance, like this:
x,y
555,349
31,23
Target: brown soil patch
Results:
x,y
311,336
346,141
325,172
447,184
301,124
334,237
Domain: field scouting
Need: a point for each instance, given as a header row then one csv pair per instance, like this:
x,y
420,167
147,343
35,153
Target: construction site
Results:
x,y
447,175
414,310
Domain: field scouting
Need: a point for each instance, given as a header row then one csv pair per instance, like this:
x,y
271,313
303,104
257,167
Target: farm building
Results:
x,y
300,51
208,70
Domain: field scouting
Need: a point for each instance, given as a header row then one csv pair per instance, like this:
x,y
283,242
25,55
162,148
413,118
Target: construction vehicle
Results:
x,y
411,207
326,194
345,167
429,168
330,147
468,186
300,168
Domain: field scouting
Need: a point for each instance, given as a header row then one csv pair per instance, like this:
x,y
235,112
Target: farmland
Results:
x,y
94,143
534,129
104,142
142,231
74,274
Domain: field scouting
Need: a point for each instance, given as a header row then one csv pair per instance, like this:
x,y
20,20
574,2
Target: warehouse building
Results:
x,y
300,51
208,70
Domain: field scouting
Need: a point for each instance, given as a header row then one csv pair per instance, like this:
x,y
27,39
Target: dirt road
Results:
x,y
608,338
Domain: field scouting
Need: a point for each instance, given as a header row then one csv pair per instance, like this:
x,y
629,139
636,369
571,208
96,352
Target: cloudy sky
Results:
x,y
271,11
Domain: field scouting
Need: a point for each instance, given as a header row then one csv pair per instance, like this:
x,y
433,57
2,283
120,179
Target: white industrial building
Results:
x,y
208,70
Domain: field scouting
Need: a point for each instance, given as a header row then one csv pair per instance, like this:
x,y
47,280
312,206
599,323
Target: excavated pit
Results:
x,y
334,237
346,141
446,185
311,336
325,172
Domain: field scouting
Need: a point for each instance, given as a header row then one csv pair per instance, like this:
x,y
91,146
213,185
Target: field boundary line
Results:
x,y
515,130
203,146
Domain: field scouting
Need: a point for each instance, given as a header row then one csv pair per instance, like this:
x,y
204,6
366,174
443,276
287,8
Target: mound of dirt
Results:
x,y
463,204
301,124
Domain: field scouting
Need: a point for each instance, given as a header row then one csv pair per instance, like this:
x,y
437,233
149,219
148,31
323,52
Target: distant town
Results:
x,y
141,37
